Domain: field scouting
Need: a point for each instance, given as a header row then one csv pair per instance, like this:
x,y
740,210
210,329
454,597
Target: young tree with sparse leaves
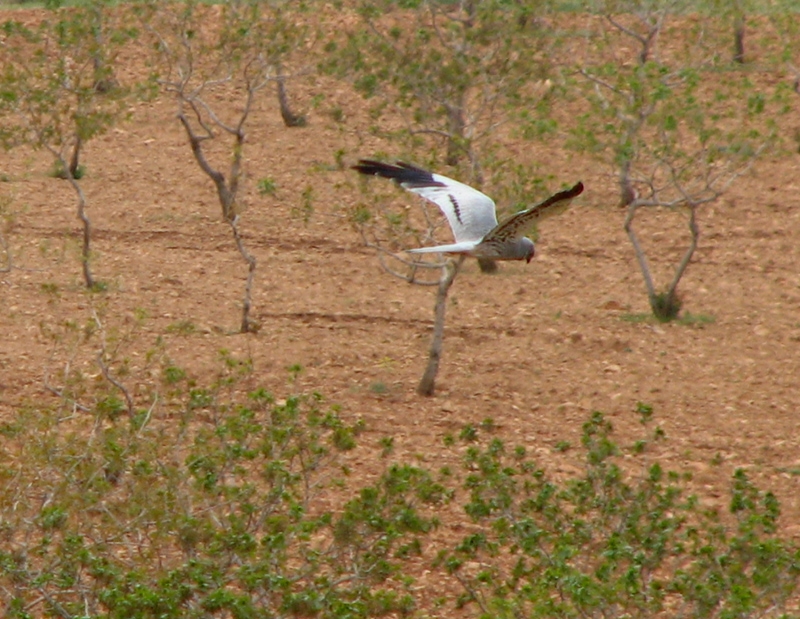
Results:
x,y
677,132
456,73
58,91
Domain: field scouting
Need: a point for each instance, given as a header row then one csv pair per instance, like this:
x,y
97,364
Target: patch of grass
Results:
x,y
317,100
58,171
267,186
50,289
488,425
387,446
686,319
173,374
99,286
695,320
337,114
666,306
468,433
182,327
360,214
338,157
635,317
379,388
563,446
306,208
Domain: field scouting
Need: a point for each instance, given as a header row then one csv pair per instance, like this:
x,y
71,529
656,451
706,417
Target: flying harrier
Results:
x,y
470,213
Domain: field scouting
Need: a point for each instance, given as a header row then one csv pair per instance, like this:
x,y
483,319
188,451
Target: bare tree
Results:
x,y
234,48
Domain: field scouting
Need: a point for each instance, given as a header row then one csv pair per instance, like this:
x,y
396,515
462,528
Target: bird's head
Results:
x,y
529,249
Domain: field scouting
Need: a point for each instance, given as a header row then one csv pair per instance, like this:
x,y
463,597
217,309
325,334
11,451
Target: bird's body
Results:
x,y
471,213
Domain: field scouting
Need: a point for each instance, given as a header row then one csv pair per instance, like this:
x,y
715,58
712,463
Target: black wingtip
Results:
x,y
576,190
370,166
404,173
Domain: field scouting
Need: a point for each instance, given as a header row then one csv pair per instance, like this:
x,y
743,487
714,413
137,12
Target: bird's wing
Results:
x,y
470,213
515,227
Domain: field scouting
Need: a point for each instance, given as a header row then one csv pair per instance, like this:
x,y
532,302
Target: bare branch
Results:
x,y
104,367
107,375
687,256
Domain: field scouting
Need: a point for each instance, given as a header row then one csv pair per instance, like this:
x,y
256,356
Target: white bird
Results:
x,y
471,213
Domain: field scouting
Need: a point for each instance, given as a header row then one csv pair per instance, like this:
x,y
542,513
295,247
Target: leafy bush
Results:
x,y
241,509
612,544
225,514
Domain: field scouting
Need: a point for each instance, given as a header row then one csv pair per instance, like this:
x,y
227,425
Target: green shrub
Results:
x,y
610,543
227,513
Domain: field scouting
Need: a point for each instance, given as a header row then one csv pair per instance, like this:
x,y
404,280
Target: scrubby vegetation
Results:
x,y
137,489
240,506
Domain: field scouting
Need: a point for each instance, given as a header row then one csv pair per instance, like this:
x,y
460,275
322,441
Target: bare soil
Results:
x,y
536,347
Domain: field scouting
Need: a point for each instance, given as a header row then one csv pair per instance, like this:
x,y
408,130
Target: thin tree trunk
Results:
x,y
627,194
427,383
104,80
640,257
75,160
226,191
226,197
247,325
87,224
647,45
87,235
290,119
738,37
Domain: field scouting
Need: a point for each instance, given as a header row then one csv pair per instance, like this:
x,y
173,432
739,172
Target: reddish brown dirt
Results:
x,y
537,347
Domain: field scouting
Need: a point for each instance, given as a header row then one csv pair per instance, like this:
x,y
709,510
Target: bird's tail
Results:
x,y
454,248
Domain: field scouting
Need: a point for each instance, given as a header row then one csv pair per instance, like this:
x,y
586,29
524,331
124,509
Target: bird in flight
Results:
x,y
471,213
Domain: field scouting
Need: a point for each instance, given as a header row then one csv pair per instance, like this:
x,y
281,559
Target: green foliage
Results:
x,y
453,71
59,171
623,539
182,327
267,186
306,208
666,306
226,512
234,506
58,82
